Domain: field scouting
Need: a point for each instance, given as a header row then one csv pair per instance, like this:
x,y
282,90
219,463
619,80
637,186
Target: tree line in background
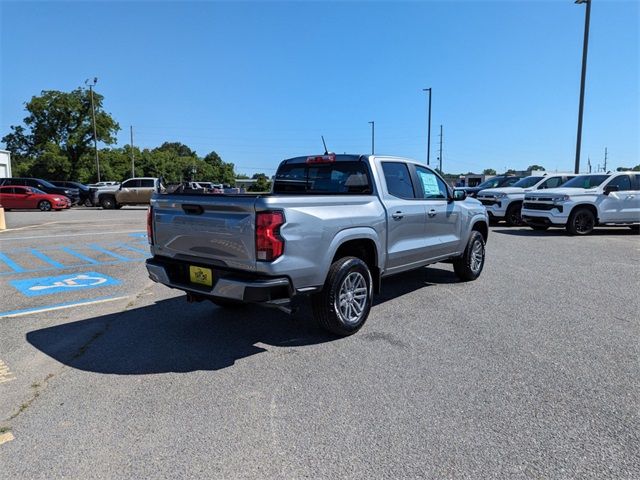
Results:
x,y
56,143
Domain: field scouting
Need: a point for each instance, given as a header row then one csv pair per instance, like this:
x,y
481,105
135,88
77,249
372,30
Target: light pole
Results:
x,y
428,127
93,115
585,45
373,136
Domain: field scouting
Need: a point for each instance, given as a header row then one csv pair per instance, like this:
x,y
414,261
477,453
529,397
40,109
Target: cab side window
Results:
x,y
146,183
622,182
131,184
636,181
398,179
433,188
551,183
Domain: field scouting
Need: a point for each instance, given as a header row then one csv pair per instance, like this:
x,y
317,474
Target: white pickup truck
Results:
x,y
505,203
585,202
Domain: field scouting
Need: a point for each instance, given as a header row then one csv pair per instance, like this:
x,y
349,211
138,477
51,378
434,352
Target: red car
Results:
x,y
29,197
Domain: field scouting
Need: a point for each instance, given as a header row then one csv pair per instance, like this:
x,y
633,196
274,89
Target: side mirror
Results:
x,y
459,195
611,188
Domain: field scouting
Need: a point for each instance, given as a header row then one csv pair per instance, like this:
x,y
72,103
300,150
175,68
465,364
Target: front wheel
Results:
x,y
513,216
44,206
344,303
581,222
469,266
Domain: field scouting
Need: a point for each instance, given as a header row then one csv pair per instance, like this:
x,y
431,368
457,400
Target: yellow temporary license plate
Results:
x,y
200,275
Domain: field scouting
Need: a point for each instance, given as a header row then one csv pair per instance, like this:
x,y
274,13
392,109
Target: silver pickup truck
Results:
x,y
332,227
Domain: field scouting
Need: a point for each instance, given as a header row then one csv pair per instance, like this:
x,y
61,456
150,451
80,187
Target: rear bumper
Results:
x,y
230,285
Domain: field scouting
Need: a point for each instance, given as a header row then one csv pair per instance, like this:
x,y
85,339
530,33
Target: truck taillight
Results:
x,y
269,243
150,225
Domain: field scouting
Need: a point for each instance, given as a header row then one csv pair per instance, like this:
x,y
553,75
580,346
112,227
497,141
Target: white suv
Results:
x,y
586,201
505,203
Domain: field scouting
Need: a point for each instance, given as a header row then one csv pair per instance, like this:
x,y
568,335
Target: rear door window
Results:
x,y
398,179
146,183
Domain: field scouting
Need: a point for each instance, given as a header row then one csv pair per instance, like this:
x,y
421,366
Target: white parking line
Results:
x,y
69,235
30,311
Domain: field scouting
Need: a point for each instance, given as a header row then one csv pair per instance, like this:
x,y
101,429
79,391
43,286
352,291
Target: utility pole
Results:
x,y
605,159
93,114
585,45
133,155
428,127
440,158
373,136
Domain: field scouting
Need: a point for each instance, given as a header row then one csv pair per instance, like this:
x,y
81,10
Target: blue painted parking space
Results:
x,y
30,260
59,284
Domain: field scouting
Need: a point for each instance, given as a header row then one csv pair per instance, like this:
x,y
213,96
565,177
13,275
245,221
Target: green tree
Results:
x,y
262,183
535,167
623,169
63,119
177,148
488,171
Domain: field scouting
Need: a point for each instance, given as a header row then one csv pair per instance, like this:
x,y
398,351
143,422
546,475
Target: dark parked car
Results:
x,y
86,193
495,182
71,193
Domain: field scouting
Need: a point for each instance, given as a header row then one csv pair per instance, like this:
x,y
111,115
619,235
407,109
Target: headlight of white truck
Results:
x,y
561,199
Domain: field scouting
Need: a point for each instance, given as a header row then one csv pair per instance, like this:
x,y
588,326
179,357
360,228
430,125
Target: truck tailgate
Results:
x,y
216,229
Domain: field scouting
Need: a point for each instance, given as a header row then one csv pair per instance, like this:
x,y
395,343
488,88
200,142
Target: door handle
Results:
x,y
431,213
398,215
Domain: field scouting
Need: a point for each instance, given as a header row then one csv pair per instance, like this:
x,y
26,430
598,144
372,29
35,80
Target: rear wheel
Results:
x,y
108,203
44,205
582,221
469,266
343,305
513,217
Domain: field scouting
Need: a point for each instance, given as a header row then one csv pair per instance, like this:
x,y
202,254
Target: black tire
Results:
x,y
493,221
513,217
44,205
635,228
539,228
346,276
226,303
581,221
469,266
88,202
108,202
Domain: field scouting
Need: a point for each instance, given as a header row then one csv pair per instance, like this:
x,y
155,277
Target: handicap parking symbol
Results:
x,y
32,287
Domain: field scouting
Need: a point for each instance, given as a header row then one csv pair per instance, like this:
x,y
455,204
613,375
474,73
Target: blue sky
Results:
x,y
261,81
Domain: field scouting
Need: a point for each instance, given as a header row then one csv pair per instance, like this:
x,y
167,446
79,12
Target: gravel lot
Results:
x,y
532,371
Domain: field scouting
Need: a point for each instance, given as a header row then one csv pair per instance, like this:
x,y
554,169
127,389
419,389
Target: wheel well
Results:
x,y
365,250
593,209
482,228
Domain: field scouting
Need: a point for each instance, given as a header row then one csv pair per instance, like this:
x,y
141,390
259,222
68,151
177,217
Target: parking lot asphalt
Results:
x,y
532,371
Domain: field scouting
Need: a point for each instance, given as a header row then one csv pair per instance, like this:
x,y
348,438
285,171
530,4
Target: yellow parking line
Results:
x,y
6,437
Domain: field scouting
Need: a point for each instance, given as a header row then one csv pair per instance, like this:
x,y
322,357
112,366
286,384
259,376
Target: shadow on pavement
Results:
x,y
173,336
561,232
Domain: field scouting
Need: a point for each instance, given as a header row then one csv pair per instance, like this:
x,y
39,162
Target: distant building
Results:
x,y
5,164
245,182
